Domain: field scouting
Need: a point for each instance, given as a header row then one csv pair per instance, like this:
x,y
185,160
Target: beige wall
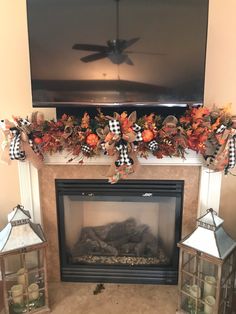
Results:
x,y
15,96
220,78
15,92
220,85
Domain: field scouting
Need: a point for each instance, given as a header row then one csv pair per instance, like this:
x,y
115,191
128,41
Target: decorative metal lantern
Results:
x,y
23,264
207,268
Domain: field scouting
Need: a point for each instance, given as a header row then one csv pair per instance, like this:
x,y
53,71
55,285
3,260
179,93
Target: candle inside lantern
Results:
x,y
33,291
17,293
209,286
209,304
22,277
195,291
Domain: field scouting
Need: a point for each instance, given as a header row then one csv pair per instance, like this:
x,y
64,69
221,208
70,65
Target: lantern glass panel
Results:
x,y
189,263
227,284
187,282
12,264
38,277
222,308
228,267
207,268
34,259
185,302
191,305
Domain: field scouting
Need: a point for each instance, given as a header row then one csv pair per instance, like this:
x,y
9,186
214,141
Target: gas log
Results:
x,y
118,239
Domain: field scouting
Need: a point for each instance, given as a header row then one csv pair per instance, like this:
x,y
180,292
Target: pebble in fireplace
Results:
x,y
125,232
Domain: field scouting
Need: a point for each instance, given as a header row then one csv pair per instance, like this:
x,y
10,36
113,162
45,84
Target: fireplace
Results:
x,y
38,191
125,232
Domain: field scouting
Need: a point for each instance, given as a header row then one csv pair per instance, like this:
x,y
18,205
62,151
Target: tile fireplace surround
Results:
x,y
201,190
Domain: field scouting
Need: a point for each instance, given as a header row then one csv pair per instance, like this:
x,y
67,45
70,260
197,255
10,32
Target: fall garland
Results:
x,y
124,137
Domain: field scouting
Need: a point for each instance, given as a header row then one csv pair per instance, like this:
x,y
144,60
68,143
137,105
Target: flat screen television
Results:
x,y
125,52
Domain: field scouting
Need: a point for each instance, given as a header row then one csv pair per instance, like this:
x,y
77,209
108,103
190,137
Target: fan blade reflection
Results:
x,y
130,42
147,53
94,57
90,47
129,61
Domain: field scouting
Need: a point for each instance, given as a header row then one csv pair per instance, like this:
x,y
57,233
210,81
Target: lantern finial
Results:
x,y
210,220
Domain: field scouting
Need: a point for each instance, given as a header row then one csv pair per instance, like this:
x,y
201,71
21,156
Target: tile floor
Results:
x,y
78,298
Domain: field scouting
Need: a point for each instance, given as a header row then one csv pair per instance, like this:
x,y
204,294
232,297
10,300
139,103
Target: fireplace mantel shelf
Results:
x,y
192,158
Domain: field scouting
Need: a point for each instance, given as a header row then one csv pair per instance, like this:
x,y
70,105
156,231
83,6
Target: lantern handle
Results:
x,y
211,210
19,206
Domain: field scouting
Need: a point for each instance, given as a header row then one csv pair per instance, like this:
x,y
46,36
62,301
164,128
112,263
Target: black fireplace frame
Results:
x,y
119,273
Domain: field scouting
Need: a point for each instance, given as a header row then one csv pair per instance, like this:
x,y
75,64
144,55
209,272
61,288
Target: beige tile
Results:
x,y
78,298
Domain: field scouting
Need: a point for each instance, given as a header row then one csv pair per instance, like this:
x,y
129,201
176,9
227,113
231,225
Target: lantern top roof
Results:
x,y
209,237
19,213
210,220
20,232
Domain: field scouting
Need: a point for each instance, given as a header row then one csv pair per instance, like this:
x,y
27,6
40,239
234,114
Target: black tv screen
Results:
x,y
101,52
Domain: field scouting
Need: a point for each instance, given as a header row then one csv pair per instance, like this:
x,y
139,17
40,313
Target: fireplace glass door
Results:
x,y
107,229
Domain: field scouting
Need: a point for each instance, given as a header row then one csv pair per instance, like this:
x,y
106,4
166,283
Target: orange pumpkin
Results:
x,y
38,140
92,139
147,135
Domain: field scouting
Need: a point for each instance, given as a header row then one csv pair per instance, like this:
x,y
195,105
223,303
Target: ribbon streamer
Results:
x,y
224,156
114,126
232,153
137,129
21,145
15,151
124,158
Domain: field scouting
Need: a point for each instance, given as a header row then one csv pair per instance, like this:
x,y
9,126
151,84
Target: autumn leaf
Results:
x,y
215,125
189,132
203,138
85,121
126,125
198,113
149,118
185,120
133,117
109,137
123,116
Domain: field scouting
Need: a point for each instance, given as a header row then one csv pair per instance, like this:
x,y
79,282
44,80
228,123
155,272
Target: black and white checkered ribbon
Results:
x,y
114,126
137,129
86,149
221,129
24,126
124,158
211,158
232,153
15,151
153,145
24,123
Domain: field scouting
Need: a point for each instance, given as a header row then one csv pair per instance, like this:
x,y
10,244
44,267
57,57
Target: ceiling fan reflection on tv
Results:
x,y
115,50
